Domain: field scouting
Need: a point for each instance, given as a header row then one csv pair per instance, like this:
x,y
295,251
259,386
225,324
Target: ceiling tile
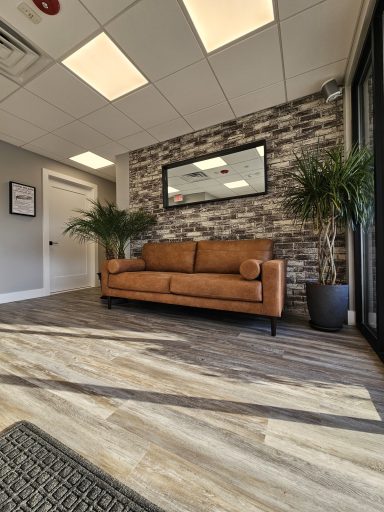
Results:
x,y
109,151
56,35
147,107
11,140
104,11
42,152
171,129
210,116
157,37
61,88
111,122
192,88
6,87
31,108
108,173
139,140
83,135
311,82
292,7
18,128
258,100
57,146
250,64
318,36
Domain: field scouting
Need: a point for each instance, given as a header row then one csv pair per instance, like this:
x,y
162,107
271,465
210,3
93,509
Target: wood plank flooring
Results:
x,y
200,411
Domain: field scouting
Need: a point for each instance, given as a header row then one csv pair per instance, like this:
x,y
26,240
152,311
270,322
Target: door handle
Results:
x,y
53,243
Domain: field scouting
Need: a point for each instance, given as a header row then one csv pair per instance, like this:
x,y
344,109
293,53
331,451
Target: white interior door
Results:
x,y
71,264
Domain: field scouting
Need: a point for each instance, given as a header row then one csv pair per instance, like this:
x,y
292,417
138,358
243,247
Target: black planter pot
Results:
x,y
327,305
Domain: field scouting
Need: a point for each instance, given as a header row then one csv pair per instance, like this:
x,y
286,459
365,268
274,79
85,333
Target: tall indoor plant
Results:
x,y
109,226
330,190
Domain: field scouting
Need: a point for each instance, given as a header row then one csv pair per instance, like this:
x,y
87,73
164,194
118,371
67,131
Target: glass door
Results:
x,y
368,130
367,238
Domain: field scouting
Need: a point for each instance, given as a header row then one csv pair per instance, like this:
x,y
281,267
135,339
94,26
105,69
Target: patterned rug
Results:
x,y
40,474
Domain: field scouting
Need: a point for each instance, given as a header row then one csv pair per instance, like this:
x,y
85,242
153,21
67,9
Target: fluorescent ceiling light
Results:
x,y
211,163
91,160
237,184
104,67
172,190
260,150
220,22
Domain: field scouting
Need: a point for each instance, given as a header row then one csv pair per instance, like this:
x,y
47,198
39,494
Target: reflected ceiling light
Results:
x,y
91,160
104,67
211,163
172,190
237,184
260,150
220,22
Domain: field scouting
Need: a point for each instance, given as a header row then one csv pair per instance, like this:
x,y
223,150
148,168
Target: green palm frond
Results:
x,y
109,226
329,188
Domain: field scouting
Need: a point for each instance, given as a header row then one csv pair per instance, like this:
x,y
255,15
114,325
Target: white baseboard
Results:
x,y
351,317
23,295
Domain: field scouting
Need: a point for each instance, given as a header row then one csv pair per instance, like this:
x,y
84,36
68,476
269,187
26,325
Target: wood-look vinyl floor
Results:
x,y
200,411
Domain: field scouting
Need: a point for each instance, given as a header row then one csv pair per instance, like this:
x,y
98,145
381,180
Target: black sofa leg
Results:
x,y
109,302
273,326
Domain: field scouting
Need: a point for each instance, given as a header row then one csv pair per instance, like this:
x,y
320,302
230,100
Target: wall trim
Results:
x,y
351,317
48,173
22,295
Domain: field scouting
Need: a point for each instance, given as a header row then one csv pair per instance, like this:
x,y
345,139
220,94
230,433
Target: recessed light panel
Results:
x,y
211,163
237,184
220,22
260,150
91,160
104,67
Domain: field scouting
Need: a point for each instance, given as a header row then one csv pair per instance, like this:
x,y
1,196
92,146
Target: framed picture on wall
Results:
x,y
22,199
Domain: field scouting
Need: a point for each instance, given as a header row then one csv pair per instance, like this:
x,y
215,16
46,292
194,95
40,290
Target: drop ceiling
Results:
x,y
58,115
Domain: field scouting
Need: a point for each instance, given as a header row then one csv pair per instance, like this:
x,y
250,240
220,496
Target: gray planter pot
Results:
x,y
327,305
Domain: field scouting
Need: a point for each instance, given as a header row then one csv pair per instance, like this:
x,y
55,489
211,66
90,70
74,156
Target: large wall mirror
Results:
x,y
231,173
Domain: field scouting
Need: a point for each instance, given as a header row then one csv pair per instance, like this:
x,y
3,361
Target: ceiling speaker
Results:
x,y
330,90
48,6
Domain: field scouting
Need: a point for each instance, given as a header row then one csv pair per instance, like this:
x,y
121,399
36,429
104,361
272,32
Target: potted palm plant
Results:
x,y
330,190
109,226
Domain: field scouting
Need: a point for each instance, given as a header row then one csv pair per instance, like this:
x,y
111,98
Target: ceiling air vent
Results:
x,y
19,61
192,177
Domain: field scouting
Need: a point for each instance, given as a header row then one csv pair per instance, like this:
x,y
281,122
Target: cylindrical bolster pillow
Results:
x,y
118,266
250,269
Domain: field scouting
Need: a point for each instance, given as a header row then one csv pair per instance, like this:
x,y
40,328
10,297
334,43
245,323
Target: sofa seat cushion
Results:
x,y
157,282
217,286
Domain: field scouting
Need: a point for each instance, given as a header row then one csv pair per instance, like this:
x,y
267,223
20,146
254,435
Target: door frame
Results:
x,y
92,194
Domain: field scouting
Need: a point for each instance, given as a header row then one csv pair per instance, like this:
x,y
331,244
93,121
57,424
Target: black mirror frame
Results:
x,y
223,152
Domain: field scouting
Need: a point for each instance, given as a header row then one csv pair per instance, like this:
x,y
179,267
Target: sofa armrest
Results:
x,y
125,265
273,277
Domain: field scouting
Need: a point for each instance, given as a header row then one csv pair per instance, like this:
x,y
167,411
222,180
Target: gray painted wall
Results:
x,y
21,246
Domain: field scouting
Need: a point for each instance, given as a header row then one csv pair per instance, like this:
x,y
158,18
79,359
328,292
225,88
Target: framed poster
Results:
x,y
22,199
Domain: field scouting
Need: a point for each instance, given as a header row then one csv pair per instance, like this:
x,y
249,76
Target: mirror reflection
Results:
x,y
225,175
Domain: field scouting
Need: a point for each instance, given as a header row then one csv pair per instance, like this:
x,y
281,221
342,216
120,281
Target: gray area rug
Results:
x,y
40,474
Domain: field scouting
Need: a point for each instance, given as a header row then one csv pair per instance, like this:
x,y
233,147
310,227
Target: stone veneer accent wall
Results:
x,y
285,128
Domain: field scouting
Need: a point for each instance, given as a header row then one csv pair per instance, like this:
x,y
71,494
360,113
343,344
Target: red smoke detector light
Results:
x,y
48,6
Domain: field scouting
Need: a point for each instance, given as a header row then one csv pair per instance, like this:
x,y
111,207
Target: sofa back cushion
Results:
x,y
226,256
169,257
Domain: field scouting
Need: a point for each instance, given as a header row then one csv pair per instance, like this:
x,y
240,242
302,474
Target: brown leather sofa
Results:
x,y
203,274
